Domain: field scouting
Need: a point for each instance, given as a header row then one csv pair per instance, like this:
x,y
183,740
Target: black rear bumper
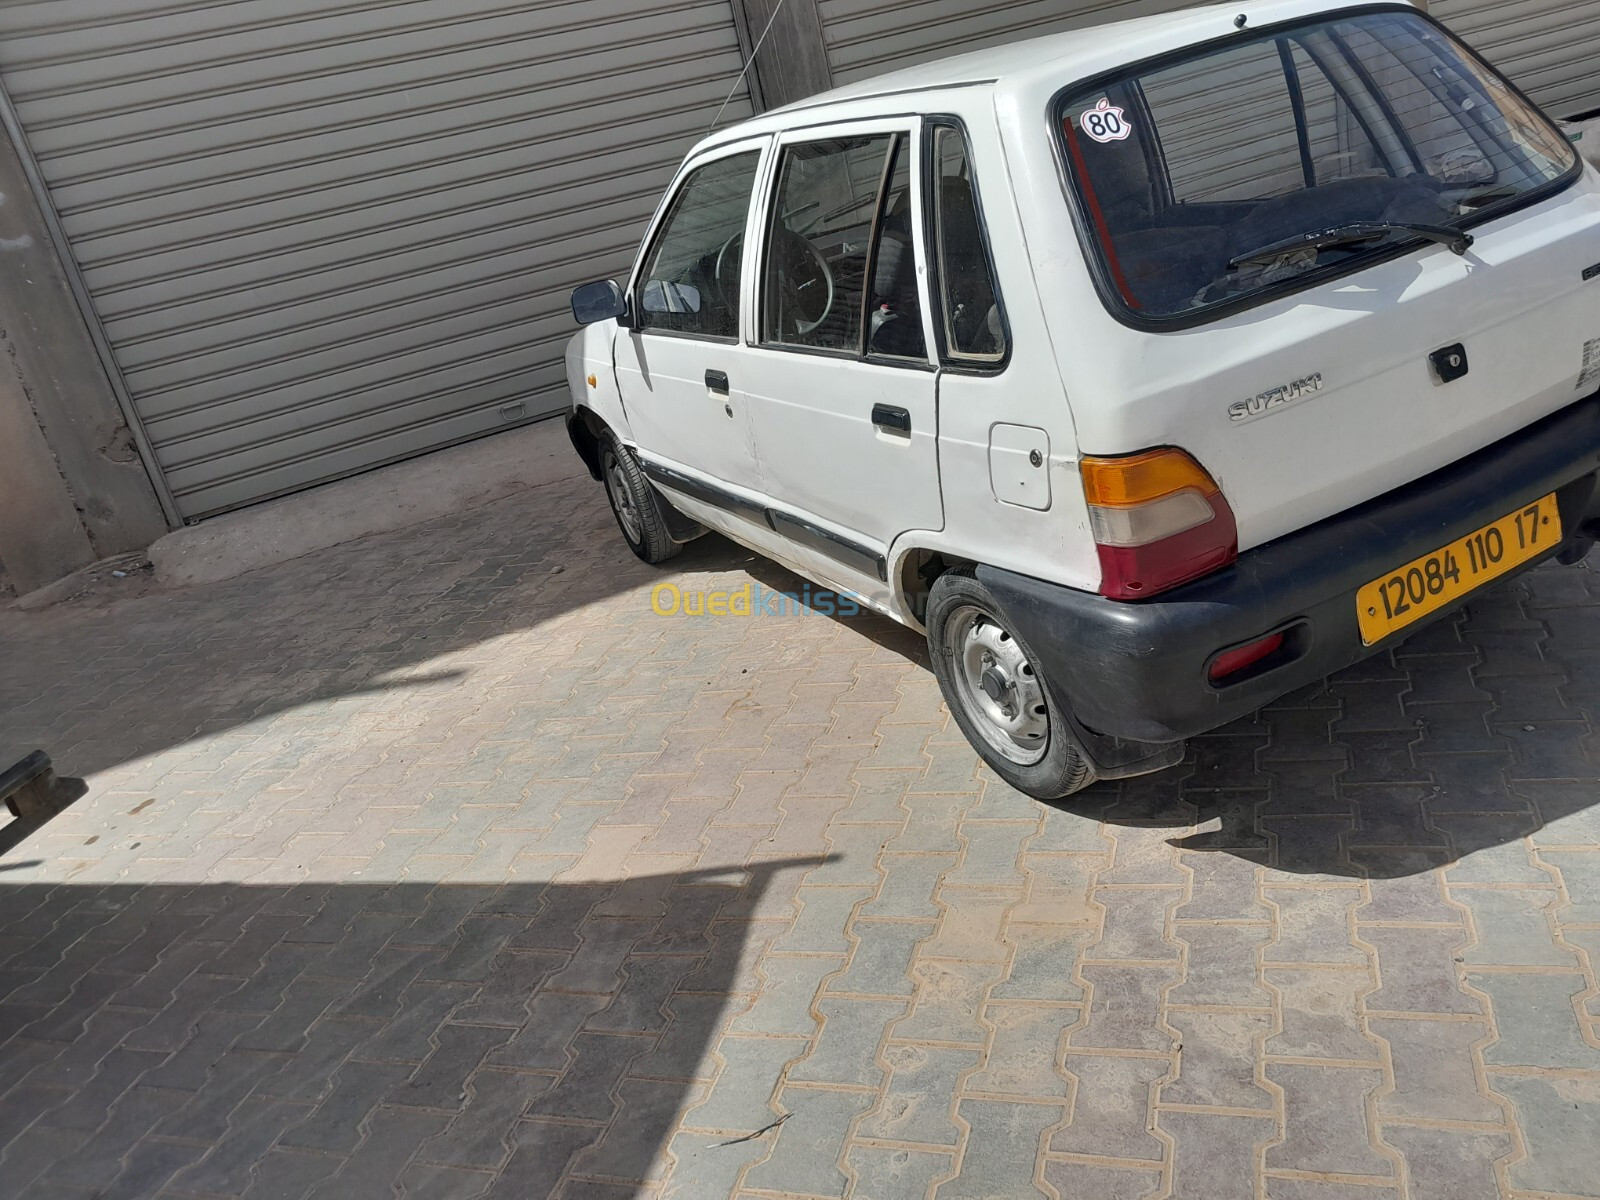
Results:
x,y
1139,670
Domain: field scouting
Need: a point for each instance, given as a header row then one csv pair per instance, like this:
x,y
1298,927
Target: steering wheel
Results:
x,y
804,281
728,258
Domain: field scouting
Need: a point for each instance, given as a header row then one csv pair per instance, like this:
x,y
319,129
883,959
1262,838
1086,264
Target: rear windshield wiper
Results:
x,y
1352,234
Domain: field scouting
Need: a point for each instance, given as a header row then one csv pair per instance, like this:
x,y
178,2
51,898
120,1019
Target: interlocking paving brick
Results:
x,y
1002,1148
884,1173
908,884
948,999
704,1165
820,927
1419,971
1313,925
1217,1062
918,1098
1124,1007
1319,1014
880,963
1215,1155
1111,1109
584,1091
808,1145
1534,1018
747,1081
335,1124
1325,1127
783,1005
1221,965
1434,1075
845,1050
645,1105
1560,1122
1022,1058
301,937
1449,1164
1070,1178
1513,929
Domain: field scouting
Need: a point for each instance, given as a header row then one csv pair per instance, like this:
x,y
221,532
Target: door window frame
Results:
x,y
949,359
910,128
763,147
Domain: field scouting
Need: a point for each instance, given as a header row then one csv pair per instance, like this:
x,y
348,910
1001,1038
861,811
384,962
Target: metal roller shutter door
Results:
x,y
1549,47
322,237
869,37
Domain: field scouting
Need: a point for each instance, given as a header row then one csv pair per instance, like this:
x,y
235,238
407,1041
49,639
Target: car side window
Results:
x,y
969,300
840,270
690,281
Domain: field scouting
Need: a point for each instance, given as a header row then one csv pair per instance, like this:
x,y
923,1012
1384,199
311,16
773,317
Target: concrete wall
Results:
x,y
73,487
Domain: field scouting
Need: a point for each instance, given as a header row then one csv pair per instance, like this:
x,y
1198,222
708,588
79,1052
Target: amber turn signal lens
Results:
x,y
1141,478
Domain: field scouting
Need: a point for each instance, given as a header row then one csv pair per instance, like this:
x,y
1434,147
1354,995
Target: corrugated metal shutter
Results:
x,y
869,37
324,236
1549,47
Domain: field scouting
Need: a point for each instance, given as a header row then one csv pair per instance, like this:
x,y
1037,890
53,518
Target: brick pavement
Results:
x,y
438,866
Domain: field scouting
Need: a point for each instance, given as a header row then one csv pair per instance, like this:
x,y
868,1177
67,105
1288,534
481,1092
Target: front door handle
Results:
x,y
889,416
717,382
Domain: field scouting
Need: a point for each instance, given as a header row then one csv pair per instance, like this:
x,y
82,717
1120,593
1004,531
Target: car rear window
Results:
x,y
1273,161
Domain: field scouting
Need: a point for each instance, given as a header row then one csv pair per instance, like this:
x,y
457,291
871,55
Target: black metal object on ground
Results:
x,y
29,787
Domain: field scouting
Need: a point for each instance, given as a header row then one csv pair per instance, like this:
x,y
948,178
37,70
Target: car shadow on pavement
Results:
x,y
343,1040
1472,735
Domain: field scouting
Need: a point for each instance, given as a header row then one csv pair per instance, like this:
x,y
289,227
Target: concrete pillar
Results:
x,y
793,60
73,487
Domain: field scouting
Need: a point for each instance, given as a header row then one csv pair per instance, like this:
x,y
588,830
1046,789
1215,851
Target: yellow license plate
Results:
x,y
1427,584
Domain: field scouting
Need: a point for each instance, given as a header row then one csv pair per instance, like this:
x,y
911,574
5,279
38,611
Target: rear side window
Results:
x,y
1277,161
840,269
690,282
969,300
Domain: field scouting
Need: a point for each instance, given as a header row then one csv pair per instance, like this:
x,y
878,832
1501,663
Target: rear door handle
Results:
x,y
888,416
717,382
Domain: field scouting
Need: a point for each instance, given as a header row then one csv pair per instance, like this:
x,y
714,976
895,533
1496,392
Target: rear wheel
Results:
x,y
993,686
634,503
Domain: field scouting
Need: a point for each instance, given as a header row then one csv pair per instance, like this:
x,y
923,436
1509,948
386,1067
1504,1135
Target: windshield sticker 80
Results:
x,y
1272,400
1105,122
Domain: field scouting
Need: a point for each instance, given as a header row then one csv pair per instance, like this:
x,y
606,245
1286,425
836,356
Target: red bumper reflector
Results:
x,y
1236,660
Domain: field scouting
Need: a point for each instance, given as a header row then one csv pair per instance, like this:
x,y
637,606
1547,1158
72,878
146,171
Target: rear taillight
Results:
x,y
1158,519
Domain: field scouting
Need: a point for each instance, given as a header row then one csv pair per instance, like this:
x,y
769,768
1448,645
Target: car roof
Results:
x,y
1061,57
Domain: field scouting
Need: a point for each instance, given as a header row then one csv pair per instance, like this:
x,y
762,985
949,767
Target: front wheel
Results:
x,y
998,696
633,502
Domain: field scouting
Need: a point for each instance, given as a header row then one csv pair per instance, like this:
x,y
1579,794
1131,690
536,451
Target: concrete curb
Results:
x,y
381,501
83,580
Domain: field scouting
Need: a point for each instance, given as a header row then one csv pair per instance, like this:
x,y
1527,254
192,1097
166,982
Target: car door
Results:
x,y
840,385
675,359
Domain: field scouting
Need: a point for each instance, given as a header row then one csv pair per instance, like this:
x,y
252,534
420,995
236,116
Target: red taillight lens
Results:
x,y
1158,519
1240,657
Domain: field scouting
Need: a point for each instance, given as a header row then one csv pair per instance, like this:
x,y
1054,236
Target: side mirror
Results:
x,y
598,302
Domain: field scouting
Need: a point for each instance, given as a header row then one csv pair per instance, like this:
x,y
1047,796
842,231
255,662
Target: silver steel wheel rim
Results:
x,y
622,501
999,688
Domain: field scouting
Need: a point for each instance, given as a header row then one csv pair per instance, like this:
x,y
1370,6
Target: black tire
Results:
x,y
634,503
1060,767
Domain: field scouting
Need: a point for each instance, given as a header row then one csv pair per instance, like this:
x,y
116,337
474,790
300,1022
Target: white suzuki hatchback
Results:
x,y
1155,370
